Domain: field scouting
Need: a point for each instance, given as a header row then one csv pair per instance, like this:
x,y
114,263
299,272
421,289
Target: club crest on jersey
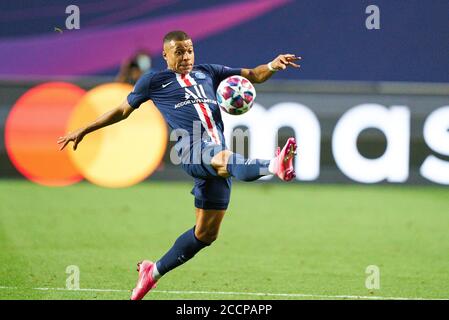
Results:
x,y
200,75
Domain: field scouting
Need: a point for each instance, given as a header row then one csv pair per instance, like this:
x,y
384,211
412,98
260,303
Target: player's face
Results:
x,y
179,55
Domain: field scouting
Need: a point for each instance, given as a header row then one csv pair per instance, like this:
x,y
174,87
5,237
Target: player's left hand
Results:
x,y
282,61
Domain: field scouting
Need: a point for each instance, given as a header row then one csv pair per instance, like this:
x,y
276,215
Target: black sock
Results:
x,y
184,248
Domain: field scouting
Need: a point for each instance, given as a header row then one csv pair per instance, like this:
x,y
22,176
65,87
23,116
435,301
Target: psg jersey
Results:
x,y
186,100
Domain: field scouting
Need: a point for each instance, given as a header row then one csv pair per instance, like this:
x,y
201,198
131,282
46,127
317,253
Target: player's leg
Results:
x,y
208,224
190,242
185,248
227,163
211,201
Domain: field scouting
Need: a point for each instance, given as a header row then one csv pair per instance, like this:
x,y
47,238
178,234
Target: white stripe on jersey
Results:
x,y
212,132
214,127
190,78
185,81
206,114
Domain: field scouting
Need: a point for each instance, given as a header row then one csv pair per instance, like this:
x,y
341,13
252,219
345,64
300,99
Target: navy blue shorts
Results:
x,y
211,191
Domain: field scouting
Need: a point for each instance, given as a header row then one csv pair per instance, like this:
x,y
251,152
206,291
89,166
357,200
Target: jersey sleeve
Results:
x,y
222,72
141,91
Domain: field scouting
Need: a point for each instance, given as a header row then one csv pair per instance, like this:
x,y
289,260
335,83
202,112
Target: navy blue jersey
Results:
x,y
186,99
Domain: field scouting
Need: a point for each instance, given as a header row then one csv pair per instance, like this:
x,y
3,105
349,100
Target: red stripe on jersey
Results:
x,y
209,123
186,80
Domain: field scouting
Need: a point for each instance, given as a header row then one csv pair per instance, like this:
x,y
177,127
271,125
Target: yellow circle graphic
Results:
x,y
124,153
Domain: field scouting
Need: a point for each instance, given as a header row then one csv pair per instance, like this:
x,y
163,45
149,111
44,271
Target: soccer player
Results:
x,y
185,94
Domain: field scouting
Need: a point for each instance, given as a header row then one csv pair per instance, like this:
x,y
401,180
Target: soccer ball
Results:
x,y
235,95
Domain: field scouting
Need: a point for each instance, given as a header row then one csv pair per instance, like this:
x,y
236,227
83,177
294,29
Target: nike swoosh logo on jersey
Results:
x,y
167,84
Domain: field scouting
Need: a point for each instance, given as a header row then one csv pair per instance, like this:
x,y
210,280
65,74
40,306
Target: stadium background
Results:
x,y
345,65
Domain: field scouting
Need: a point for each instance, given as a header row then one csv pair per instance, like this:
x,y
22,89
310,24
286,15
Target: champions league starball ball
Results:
x,y
235,95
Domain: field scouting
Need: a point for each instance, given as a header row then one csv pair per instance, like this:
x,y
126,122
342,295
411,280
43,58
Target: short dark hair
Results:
x,y
176,35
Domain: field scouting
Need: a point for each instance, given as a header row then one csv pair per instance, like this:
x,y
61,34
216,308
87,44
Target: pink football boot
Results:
x,y
145,282
284,161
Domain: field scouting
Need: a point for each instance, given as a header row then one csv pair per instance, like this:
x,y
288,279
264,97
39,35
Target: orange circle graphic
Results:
x,y
32,127
124,153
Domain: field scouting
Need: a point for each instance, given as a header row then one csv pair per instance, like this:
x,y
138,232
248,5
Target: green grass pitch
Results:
x,y
304,241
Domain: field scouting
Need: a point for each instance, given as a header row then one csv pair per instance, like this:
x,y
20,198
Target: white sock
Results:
x,y
272,166
156,276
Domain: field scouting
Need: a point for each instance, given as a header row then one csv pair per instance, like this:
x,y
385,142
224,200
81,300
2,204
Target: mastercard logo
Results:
x,y
119,155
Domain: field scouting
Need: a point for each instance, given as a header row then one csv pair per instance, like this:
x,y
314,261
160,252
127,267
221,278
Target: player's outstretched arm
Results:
x,y
115,115
263,72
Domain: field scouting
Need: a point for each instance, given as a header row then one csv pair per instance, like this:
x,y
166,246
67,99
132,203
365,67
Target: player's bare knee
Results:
x,y
219,163
206,236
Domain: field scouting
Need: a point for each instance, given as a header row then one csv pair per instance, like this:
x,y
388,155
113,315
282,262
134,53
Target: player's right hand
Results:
x,y
282,61
75,136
